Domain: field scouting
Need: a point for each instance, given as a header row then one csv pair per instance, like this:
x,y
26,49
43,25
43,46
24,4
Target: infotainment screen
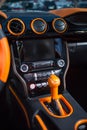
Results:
x,y
36,50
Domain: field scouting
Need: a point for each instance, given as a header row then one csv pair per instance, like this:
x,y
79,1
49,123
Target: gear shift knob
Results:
x,y
54,83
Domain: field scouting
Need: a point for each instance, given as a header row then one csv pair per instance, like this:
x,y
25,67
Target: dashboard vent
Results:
x,y
16,26
39,26
59,25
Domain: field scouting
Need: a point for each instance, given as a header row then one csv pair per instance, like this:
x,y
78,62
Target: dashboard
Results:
x,y
40,44
38,41
37,48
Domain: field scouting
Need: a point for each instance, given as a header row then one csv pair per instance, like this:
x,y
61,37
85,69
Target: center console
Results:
x,y
37,60
39,63
42,64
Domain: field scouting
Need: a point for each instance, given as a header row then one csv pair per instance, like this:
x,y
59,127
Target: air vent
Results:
x,y
16,26
39,26
81,125
59,25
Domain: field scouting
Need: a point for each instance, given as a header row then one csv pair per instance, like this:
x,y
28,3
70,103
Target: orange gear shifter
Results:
x,y
54,83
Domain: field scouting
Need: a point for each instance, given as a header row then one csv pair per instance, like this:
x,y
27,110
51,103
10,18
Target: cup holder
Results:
x,y
81,125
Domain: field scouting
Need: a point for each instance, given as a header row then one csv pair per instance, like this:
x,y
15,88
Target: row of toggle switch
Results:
x,y
30,77
32,86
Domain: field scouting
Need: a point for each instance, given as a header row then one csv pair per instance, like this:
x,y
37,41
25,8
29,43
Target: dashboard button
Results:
x,y
24,68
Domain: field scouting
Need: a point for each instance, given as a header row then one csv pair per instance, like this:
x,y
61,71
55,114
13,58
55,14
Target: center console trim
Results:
x,y
80,122
48,99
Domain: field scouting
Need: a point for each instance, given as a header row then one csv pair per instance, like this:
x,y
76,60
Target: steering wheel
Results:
x,y
4,59
4,55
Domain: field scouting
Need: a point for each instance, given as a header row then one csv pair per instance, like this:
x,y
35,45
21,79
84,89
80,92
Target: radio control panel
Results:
x,y
34,66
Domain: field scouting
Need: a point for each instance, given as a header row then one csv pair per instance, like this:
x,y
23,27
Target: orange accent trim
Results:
x,y
67,11
41,122
54,83
4,59
21,105
3,14
13,33
64,115
0,26
53,24
79,123
32,26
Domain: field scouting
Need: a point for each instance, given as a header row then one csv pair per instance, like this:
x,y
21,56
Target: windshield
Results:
x,y
43,5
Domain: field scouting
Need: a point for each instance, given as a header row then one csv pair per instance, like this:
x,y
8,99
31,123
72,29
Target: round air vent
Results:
x,y
81,125
59,25
39,25
16,26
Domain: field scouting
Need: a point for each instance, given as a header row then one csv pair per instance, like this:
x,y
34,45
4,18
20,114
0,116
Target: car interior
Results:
x,y
43,69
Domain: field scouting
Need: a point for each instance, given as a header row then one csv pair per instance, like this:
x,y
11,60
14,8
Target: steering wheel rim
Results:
x,y
4,59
